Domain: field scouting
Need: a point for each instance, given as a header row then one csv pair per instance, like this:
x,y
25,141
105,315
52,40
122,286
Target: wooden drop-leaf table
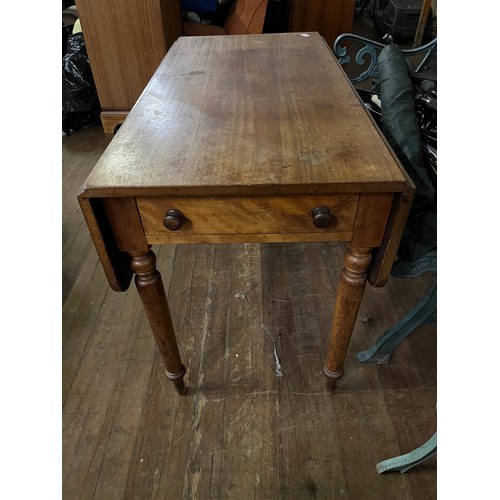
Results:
x,y
252,138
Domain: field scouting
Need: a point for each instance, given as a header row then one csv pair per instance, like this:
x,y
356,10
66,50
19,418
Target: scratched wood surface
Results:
x,y
240,432
281,100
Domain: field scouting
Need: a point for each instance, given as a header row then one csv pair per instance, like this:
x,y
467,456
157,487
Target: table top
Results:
x,y
250,114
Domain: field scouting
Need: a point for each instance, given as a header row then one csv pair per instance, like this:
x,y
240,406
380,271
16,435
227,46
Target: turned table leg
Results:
x,y
349,295
152,293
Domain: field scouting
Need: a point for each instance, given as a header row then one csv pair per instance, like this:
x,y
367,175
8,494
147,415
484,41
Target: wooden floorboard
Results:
x,y
240,432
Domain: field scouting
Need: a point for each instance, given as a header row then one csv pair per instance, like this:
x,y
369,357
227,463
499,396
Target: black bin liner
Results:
x,y
400,126
80,104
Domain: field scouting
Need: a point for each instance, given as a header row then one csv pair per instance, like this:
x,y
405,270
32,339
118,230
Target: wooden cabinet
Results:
x,y
126,40
328,17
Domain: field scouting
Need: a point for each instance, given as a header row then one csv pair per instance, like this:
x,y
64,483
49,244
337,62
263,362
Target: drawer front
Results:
x,y
228,219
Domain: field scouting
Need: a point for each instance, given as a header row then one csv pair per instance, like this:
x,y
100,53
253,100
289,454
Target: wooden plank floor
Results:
x,y
240,432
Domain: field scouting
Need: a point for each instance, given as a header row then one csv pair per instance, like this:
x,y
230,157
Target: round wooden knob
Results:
x,y
173,219
322,217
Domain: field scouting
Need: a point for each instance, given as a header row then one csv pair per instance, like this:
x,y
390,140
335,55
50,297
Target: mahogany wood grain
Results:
x,y
330,18
127,228
114,262
246,216
126,224
255,114
385,255
349,295
150,287
371,219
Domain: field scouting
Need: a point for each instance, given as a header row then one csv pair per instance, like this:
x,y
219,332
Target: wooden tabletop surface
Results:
x,y
253,114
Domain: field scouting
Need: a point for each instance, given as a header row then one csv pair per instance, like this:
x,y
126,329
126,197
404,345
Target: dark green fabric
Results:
x,y
400,126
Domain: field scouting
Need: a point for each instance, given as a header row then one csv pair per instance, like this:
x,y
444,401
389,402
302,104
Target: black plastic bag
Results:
x,y
80,104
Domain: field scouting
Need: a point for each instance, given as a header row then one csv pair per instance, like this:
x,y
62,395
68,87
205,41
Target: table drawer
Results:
x,y
212,219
